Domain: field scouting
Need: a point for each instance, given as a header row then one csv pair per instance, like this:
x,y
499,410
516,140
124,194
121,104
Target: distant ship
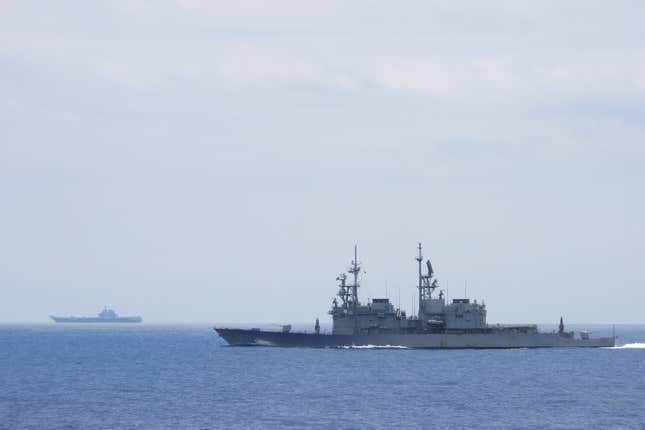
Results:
x,y
438,324
106,316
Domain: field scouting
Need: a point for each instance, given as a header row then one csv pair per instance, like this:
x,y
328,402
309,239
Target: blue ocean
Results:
x,y
185,377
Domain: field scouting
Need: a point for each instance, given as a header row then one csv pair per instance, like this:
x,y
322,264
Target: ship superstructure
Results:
x,y
437,324
380,316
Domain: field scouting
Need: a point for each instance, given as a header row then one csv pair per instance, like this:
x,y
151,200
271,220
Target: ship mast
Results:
x,y
419,259
355,270
426,285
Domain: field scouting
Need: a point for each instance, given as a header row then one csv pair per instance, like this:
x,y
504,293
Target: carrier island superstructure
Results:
x,y
437,324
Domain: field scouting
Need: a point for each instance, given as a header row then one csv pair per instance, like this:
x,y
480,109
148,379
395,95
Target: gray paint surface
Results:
x,y
242,337
460,324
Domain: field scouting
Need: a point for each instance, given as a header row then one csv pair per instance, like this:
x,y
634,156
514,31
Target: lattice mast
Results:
x,y
419,259
355,269
426,283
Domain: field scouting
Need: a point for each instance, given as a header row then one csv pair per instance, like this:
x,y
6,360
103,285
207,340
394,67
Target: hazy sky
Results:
x,y
216,161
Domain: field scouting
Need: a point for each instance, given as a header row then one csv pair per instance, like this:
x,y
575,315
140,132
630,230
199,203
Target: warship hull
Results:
x,y
246,337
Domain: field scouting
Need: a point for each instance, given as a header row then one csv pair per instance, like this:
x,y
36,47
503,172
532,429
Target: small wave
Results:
x,y
374,347
629,346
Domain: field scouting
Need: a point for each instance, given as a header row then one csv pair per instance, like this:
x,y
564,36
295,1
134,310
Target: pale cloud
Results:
x,y
145,145
320,44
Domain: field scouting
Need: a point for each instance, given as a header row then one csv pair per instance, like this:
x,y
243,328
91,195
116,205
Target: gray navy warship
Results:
x,y
106,316
459,324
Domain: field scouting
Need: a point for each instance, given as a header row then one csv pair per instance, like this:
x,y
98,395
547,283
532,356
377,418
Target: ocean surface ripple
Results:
x,y
162,377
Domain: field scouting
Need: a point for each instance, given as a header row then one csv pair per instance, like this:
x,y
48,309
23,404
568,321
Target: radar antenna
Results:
x,y
427,283
343,291
348,294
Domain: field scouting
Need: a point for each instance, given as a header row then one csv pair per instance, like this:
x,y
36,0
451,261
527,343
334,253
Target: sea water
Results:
x,y
185,377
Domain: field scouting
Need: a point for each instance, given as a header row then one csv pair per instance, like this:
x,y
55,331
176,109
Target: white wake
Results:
x,y
261,342
629,346
374,347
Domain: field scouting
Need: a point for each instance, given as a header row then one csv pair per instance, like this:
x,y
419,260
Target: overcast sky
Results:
x,y
216,161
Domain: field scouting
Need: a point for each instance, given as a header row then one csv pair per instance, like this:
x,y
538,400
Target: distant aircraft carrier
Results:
x,y
460,324
106,316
